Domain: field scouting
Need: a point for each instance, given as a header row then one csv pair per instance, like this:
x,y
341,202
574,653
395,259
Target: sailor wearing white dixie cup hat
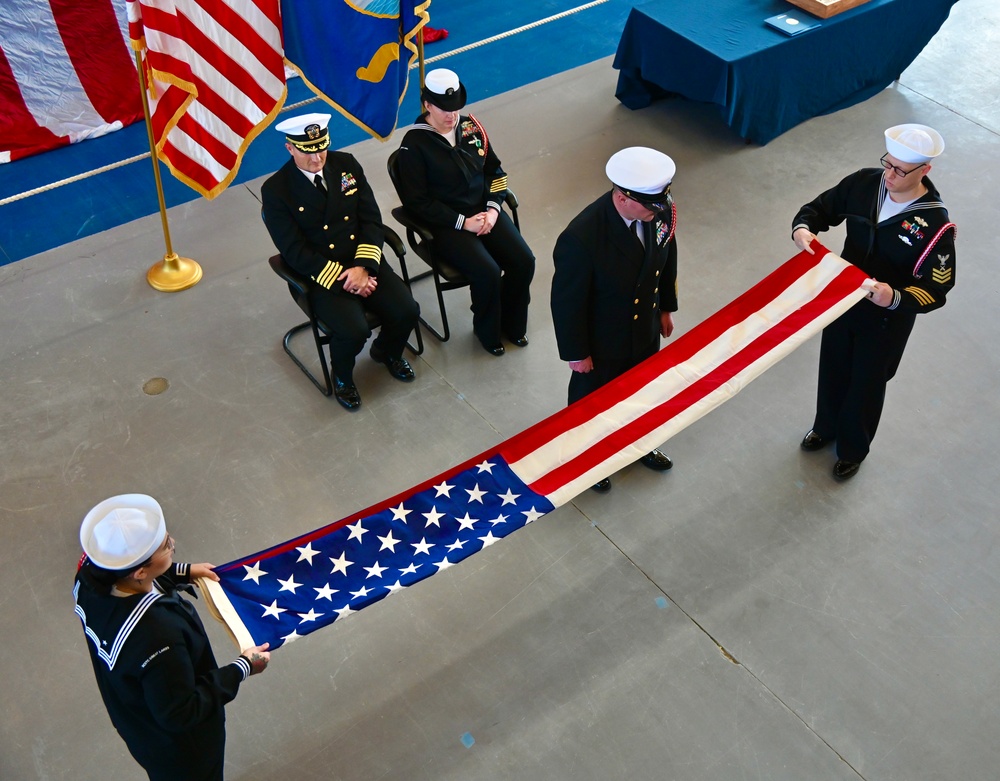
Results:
x,y
615,285
899,233
322,216
154,666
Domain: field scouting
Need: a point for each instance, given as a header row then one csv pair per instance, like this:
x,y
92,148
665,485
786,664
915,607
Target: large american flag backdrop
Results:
x,y
291,589
214,70
215,78
66,74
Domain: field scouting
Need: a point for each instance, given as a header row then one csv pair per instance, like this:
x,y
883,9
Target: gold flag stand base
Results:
x,y
174,273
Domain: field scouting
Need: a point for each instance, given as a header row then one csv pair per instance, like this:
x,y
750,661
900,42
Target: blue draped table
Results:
x,y
720,51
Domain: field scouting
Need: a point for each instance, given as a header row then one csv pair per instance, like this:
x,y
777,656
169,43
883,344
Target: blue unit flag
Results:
x,y
355,55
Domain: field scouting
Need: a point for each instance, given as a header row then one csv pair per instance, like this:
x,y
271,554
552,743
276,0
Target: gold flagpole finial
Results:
x,y
173,273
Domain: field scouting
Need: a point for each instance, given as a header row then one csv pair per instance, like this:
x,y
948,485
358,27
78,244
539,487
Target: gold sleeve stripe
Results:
x,y
329,274
369,252
499,185
922,296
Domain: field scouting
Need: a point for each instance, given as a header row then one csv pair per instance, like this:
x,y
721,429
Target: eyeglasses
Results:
x,y
168,545
895,169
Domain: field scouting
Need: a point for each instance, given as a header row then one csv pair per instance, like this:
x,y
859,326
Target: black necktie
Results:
x,y
639,232
320,184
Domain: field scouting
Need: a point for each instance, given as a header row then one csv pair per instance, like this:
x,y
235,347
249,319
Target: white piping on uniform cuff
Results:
x,y
244,666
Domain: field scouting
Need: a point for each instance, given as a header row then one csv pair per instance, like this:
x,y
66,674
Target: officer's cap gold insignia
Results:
x,y
307,132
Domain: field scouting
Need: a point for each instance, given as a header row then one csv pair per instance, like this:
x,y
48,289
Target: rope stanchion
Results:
x,y
78,178
509,33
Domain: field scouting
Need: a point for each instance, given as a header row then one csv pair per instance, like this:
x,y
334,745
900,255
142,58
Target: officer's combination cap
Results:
x,y
307,132
643,174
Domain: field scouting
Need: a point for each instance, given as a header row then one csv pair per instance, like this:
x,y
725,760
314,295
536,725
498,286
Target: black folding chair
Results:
x,y
299,285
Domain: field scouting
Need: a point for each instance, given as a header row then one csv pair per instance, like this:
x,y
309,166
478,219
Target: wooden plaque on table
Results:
x,y
824,9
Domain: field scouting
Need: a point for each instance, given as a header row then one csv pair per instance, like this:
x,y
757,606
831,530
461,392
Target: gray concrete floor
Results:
x,y
809,630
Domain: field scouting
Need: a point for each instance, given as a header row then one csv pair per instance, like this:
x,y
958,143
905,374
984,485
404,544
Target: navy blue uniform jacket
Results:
x,y
607,293
319,235
156,671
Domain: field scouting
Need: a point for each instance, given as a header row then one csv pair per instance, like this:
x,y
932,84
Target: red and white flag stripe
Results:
x,y
66,74
616,425
218,79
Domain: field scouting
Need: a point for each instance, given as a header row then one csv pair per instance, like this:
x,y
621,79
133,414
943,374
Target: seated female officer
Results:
x,y
450,178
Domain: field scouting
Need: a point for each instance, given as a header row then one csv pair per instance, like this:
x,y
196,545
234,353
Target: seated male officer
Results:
x,y
322,217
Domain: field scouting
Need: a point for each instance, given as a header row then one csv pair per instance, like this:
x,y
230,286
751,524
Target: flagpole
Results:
x,y
420,55
173,273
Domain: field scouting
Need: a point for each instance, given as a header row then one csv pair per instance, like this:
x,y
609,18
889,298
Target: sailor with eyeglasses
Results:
x,y
899,233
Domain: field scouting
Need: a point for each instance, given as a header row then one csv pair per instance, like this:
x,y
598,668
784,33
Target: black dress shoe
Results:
x,y
496,350
603,486
398,367
656,461
845,470
813,441
521,341
347,394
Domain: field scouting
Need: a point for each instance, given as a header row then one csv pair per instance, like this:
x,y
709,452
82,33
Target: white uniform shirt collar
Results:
x,y
311,176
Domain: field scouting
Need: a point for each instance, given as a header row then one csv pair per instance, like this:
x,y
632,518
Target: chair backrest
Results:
x,y
392,166
418,234
298,284
395,244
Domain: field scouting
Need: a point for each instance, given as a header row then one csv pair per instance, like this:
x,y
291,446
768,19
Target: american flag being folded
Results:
x,y
294,588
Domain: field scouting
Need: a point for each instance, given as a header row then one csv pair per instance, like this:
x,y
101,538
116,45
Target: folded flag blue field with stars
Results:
x,y
287,591
355,55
